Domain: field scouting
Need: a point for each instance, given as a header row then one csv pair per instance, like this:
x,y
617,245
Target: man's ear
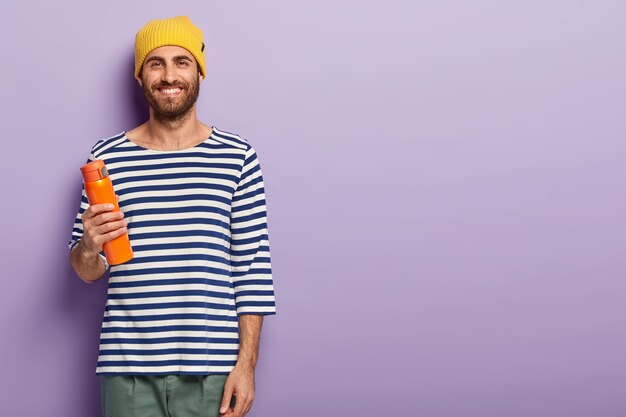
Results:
x,y
138,76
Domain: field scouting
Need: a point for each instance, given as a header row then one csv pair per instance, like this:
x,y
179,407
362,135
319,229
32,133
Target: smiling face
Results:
x,y
170,80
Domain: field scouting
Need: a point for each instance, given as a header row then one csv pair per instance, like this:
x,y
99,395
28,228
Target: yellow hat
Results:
x,y
176,31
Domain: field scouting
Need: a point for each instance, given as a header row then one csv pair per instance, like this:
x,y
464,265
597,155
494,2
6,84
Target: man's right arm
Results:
x,y
100,225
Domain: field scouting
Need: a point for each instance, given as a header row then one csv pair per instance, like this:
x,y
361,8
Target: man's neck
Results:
x,y
167,135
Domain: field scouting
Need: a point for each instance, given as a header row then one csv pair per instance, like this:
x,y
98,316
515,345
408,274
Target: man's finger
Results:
x,y
107,217
96,209
112,235
228,392
241,401
110,226
248,407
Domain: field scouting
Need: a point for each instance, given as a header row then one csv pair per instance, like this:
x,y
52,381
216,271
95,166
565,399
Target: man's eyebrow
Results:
x,y
161,59
155,58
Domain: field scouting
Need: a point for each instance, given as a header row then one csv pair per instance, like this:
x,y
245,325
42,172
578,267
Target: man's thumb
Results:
x,y
228,392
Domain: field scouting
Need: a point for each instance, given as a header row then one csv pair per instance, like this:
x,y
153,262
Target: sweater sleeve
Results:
x,y
77,230
249,246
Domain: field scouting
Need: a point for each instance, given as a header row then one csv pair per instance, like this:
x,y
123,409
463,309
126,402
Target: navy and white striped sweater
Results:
x,y
197,223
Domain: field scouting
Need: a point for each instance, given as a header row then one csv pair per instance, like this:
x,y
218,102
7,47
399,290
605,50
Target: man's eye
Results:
x,y
155,63
183,62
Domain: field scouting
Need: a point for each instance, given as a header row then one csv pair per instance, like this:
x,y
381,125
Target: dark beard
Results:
x,y
168,112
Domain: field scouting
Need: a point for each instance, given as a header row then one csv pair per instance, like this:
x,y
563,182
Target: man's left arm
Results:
x,y
240,382
253,286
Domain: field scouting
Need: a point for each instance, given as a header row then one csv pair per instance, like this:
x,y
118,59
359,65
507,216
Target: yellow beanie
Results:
x,y
176,31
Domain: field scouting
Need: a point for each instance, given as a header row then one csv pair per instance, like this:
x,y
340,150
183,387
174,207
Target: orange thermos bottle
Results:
x,y
99,189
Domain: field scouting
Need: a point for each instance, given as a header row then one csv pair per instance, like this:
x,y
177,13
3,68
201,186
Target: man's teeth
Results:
x,y
170,90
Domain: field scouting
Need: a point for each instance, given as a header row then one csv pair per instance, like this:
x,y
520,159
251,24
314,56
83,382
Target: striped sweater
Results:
x,y
197,224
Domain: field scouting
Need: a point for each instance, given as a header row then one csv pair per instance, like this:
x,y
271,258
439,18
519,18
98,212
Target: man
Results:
x,y
183,318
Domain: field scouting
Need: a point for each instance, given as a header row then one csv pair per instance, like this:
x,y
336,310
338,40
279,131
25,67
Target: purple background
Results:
x,y
445,185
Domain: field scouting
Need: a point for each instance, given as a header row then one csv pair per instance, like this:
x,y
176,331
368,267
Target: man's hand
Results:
x,y
239,383
101,225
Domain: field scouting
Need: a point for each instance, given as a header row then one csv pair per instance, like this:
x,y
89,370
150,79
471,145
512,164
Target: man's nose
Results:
x,y
169,74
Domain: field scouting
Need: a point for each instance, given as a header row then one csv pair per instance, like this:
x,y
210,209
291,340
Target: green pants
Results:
x,y
162,395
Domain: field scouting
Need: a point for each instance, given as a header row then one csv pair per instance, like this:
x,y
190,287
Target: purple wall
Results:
x,y
445,191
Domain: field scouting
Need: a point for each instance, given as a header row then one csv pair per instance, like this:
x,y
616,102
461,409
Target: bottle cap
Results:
x,y
94,171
